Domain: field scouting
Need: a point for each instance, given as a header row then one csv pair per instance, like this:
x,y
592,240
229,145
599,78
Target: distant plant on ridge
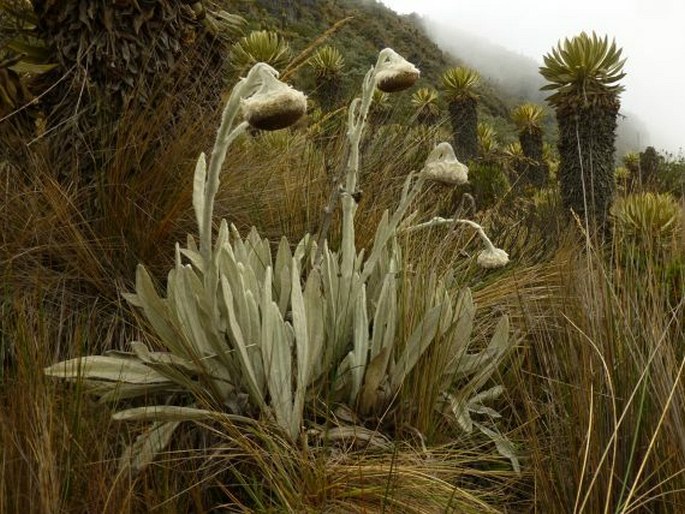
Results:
x,y
328,64
425,103
487,140
259,46
459,86
528,119
583,74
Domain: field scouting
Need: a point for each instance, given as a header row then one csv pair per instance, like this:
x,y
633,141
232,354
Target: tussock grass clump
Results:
x,y
601,387
58,451
255,469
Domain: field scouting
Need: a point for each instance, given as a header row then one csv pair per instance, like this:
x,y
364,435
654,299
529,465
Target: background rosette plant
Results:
x,y
250,335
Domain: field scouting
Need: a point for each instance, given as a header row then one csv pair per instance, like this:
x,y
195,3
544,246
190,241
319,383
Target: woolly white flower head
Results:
x,y
395,73
492,258
275,105
443,166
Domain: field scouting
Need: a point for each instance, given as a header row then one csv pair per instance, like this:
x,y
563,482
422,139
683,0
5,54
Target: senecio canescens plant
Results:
x,y
251,336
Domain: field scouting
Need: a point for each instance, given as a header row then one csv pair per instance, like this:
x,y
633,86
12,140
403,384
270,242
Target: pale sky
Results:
x,y
651,33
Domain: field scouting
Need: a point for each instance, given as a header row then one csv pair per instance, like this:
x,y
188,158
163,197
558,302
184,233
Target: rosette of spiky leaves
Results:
x,y
621,174
514,150
229,347
631,161
459,86
425,103
381,100
373,372
237,331
248,336
583,71
647,219
460,83
328,64
221,24
528,118
514,159
260,46
487,139
327,61
380,107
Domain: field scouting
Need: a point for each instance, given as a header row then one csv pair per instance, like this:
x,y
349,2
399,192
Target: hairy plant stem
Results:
x,y
438,221
356,121
225,135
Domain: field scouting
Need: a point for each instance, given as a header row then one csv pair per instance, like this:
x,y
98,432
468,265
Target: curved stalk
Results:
x,y
439,221
225,135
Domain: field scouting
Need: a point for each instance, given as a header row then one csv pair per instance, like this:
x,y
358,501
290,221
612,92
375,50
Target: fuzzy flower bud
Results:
x,y
492,258
275,105
395,73
442,166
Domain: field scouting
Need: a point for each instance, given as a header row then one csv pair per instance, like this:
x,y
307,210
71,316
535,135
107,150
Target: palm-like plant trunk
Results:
x,y
535,170
329,92
586,168
464,121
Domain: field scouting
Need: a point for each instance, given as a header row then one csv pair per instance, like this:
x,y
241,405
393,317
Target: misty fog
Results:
x,y
518,75
506,40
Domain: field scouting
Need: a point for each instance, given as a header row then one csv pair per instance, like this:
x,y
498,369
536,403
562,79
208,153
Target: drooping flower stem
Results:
x,y
397,74
483,236
491,257
226,134
439,221
356,121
